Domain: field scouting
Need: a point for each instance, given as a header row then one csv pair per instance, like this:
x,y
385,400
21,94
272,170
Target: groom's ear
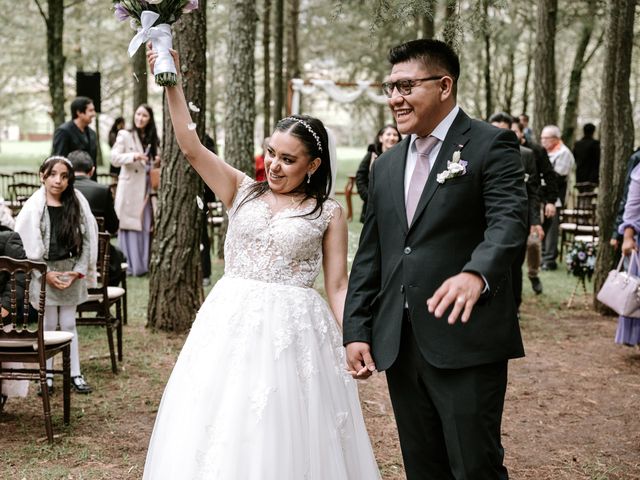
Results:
x,y
447,88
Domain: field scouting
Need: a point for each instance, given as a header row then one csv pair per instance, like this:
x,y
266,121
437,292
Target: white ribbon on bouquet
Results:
x,y
162,41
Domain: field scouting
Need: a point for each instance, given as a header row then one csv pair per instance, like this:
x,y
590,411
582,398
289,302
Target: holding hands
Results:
x,y
360,363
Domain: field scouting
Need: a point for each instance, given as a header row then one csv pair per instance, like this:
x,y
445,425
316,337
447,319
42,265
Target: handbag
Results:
x,y
621,290
154,178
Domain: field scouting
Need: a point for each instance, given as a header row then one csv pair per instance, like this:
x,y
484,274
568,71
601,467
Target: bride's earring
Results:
x,y
308,177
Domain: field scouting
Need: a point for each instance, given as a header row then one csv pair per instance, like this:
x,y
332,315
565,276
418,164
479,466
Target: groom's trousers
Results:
x,y
448,419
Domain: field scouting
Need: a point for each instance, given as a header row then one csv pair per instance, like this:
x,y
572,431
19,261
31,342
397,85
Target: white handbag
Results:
x,y
621,290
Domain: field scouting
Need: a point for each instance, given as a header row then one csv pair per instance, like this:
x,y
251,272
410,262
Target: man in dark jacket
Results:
x,y
76,133
587,154
101,204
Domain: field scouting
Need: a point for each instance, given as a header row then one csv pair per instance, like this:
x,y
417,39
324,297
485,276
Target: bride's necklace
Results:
x,y
294,202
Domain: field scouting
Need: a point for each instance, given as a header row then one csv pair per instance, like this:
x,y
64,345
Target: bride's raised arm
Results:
x,y
221,177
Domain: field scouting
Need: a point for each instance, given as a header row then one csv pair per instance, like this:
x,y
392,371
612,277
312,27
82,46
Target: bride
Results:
x,y
260,391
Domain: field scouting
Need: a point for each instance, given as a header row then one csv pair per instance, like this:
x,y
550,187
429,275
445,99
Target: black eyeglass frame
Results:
x,y
404,86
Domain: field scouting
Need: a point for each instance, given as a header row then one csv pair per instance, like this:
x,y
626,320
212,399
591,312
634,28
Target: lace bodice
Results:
x,y
280,247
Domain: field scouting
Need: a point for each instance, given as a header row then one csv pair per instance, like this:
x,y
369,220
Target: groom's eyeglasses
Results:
x,y
404,86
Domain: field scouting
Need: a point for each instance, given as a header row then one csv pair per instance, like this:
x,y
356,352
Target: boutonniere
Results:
x,y
456,167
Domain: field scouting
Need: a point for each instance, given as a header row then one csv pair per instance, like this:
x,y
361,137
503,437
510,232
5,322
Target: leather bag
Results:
x,y
621,290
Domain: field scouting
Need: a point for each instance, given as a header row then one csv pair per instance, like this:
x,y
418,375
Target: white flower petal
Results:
x,y
192,126
456,156
193,108
199,202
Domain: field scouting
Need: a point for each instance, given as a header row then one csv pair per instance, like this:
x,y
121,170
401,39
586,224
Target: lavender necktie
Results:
x,y
424,145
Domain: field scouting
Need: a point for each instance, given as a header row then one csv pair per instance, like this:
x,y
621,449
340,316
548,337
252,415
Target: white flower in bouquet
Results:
x,y
152,20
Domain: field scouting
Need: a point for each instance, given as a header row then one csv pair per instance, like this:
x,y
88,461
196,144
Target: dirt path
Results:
x,y
572,409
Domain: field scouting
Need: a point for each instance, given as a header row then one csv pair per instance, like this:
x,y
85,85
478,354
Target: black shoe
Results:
x,y
3,401
549,266
80,385
49,387
536,284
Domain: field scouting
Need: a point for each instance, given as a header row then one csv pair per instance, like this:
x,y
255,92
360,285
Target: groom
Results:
x,y
430,298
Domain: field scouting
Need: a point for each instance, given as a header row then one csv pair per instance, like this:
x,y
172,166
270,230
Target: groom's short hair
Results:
x,y
433,53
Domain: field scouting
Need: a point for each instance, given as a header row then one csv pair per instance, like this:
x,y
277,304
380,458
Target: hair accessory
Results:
x,y
311,131
59,157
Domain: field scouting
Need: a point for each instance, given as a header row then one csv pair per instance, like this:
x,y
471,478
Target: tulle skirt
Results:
x,y
260,392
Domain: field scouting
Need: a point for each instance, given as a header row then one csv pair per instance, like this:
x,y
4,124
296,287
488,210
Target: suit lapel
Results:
x,y
396,180
456,136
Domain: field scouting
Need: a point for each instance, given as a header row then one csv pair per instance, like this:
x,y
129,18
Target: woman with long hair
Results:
x,y
386,138
260,389
136,151
57,227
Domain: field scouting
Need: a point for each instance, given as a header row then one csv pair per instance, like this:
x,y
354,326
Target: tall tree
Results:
x,y
240,93
140,92
54,19
486,38
175,276
266,60
428,19
616,126
278,56
450,32
579,63
544,107
527,76
293,50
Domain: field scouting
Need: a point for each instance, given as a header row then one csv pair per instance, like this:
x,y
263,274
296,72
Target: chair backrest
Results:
x,y
18,272
20,192
102,265
26,176
5,180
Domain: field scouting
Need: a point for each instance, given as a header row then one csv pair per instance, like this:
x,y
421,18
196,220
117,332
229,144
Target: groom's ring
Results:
x,y
460,300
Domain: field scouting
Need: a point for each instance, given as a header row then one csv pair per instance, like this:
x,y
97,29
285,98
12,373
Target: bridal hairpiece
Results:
x,y
59,157
311,131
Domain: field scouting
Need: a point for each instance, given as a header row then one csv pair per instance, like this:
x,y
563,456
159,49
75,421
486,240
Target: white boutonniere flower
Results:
x,y
456,167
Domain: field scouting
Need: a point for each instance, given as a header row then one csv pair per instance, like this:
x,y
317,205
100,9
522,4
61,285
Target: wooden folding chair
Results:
x,y
100,301
32,348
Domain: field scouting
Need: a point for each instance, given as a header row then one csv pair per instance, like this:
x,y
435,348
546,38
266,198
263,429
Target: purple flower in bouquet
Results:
x,y
153,19
121,12
190,7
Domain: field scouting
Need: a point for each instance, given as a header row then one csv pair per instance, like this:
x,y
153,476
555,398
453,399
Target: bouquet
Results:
x,y
152,20
581,259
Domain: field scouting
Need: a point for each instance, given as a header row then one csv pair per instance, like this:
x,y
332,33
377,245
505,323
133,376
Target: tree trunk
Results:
x,y
54,21
527,76
450,29
428,20
509,79
266,57
486,37
544,107
616,127
293,51
278,55
240,105
139,64
175,275
575,79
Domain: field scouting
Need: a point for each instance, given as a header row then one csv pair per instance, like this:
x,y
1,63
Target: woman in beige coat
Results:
x,y
134,151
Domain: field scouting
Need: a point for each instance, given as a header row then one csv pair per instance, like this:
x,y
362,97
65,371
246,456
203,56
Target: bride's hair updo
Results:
x,y
311,132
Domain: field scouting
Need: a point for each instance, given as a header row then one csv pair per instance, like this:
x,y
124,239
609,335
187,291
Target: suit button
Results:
x,y
407,250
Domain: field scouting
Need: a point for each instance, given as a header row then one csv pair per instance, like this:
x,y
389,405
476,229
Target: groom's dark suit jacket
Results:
x,y
475,222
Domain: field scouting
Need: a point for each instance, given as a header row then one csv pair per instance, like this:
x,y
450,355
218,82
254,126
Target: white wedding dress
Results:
x,y
260,391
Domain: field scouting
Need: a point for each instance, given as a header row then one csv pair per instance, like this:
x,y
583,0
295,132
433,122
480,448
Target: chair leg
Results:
x,y
66,383
46,405
112,353
119,329
124,297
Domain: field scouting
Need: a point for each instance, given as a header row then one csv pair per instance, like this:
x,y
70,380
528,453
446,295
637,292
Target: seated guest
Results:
x,y
101,204
11,246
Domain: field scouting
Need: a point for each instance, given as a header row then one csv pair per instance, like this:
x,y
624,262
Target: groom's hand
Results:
x,y
360,363
462,291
